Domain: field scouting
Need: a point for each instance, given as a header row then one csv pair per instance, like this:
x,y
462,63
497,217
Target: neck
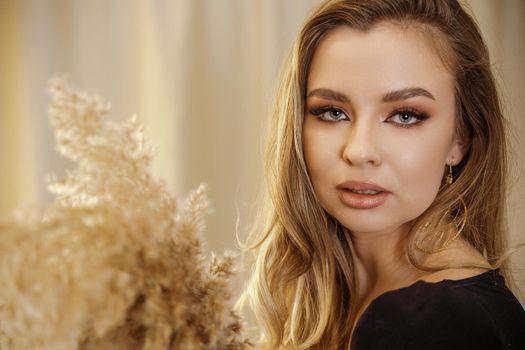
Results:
x,y
380,259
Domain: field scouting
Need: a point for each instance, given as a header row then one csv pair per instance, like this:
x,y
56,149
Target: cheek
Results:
x,y
420,170
317,157
321,151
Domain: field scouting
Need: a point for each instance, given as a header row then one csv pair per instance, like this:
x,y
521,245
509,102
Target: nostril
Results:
x,y
362,147
354,156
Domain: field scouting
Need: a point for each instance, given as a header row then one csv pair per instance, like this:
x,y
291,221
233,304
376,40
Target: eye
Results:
x,y
330,114
407,117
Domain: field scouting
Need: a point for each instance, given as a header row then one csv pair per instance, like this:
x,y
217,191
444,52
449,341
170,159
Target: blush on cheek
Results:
x,y
319,151
425,186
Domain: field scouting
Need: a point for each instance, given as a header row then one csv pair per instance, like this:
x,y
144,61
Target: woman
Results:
x,y
386,163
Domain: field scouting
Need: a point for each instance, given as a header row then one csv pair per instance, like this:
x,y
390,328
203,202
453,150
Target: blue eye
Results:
x,y
407,118
330,114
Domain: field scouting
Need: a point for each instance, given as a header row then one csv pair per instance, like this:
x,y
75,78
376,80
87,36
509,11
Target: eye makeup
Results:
x,y
407,117
404,117
329,113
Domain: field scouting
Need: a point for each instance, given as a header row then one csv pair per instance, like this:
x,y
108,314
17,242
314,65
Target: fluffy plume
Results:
x,y
112,263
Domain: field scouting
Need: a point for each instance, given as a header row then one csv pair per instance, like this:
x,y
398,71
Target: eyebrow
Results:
x,y
407,93
392,96
328,94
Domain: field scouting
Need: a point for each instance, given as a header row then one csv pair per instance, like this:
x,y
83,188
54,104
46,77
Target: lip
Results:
x,y
359,186
361,201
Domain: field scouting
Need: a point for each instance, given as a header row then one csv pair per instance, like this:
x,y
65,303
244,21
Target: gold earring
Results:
x,y
458,226
450,177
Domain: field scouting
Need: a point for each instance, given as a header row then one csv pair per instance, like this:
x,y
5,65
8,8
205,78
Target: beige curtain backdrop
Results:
x,y
200,74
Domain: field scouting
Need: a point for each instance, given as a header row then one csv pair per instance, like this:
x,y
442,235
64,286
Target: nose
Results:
x,y
362,146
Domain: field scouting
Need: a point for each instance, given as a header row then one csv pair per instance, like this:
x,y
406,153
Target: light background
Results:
x,y
200,74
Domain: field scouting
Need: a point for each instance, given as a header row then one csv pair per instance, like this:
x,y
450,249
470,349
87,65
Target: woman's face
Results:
x,y
379,119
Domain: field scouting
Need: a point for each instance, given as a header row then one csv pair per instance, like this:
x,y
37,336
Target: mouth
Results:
x,y
369,192
361,195
360,187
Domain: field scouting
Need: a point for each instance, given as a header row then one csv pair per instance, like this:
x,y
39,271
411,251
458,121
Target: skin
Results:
x,y
365,141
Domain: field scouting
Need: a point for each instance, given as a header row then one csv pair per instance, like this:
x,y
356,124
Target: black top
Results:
x,y
478,312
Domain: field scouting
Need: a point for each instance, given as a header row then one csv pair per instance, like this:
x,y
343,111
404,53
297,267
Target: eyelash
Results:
x,y
319,112
417,115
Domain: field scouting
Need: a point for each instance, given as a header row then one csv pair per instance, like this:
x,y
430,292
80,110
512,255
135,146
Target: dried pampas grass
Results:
x,y
112,263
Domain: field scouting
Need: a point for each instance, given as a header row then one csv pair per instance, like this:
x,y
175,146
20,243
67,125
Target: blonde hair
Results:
x,y
303,285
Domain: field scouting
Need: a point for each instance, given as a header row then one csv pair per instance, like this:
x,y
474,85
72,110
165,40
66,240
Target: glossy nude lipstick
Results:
x,y
361,195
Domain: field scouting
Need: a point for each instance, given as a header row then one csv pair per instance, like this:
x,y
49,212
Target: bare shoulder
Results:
x,y
459,253
453,274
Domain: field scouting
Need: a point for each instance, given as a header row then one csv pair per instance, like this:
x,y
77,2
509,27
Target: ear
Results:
x,y
458,149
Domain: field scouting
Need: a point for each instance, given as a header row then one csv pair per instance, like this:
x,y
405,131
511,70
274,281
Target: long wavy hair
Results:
x,y
303,286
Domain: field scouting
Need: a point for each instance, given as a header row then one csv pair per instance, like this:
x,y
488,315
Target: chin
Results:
x,y
366,228
370,226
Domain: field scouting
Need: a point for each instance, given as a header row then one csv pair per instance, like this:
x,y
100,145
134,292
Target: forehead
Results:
x,y
387,55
